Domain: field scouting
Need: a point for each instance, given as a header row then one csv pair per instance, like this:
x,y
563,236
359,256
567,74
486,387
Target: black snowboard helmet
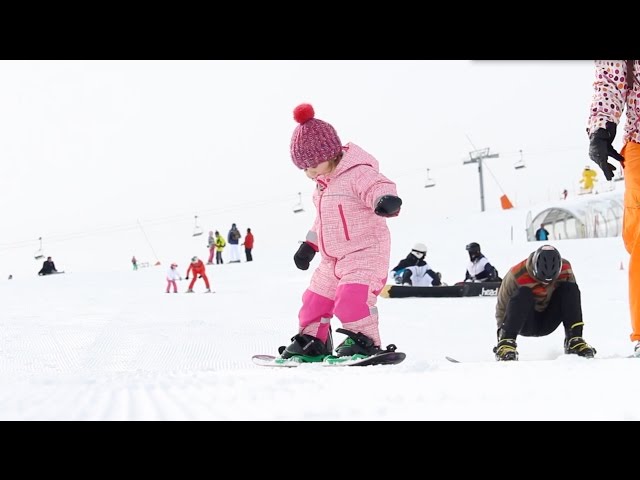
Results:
x,y
474,249
546,264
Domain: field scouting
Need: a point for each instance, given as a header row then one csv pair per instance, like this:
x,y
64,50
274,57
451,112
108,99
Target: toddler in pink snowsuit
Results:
x,y
172,276
352,200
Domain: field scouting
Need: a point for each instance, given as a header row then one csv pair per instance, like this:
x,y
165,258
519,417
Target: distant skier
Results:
x,y
48,267
233,240
220,244
172,276
588,179
248,245
211,245
197,268
542,233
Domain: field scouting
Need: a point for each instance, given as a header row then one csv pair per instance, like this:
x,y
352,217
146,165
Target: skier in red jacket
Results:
x,y
248,245
197,268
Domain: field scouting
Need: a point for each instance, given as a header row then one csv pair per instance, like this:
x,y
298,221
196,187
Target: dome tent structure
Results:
x,y
593,217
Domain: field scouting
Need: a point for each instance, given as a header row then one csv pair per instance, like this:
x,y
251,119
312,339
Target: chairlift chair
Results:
x,y
298,206
520,163
430,181
197,230
39,255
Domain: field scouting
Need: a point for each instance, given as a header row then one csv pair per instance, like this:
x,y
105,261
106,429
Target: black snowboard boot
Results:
x,y
307,348
356,344
506,350
578,346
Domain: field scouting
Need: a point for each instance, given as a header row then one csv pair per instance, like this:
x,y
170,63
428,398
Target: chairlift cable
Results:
x,y
60,238
148,242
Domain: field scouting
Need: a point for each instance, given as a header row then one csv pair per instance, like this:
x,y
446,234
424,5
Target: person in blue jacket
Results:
x,y
542,233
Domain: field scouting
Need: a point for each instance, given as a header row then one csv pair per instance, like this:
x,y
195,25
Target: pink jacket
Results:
x,y
345,199
611,95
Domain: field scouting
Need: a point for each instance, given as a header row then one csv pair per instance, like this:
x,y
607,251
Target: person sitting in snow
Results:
x,y
48,267
420,274
479,269
415,258
536,296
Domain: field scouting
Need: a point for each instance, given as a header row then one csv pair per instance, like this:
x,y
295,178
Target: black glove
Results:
x,y
600,149
436,278
304,255
388,206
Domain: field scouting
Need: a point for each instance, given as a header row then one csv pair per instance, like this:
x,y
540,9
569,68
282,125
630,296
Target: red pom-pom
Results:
x,y
303,112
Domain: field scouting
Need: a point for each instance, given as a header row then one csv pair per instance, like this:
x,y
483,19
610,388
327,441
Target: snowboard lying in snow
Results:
x,y
467,289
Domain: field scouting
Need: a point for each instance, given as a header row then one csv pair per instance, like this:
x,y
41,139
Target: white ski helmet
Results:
x,y
420,247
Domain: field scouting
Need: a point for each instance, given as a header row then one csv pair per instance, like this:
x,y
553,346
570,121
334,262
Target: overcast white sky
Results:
x,y
99,145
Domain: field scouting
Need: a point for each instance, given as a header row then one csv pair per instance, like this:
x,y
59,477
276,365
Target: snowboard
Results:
x,y
454,360
462,289
384,358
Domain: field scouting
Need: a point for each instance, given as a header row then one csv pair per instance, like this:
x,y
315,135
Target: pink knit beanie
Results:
x,y
313,141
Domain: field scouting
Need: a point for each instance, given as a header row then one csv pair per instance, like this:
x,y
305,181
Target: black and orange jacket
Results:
x,y
520,276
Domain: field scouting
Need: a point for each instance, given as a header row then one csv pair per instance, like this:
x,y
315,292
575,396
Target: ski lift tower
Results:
x,y
477,156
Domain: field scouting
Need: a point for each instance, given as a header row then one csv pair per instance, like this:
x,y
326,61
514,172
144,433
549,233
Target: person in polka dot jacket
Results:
x,y
616,86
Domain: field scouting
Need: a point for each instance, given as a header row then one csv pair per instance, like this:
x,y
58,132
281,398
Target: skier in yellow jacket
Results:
x,y
588,179
220,244
616,86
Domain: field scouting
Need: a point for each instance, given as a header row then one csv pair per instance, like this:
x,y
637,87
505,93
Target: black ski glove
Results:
x,y
304,255
600,149
436,278
388,206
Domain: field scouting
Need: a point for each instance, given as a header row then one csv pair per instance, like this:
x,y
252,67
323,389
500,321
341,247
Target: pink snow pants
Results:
x,y
348,290
171,283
